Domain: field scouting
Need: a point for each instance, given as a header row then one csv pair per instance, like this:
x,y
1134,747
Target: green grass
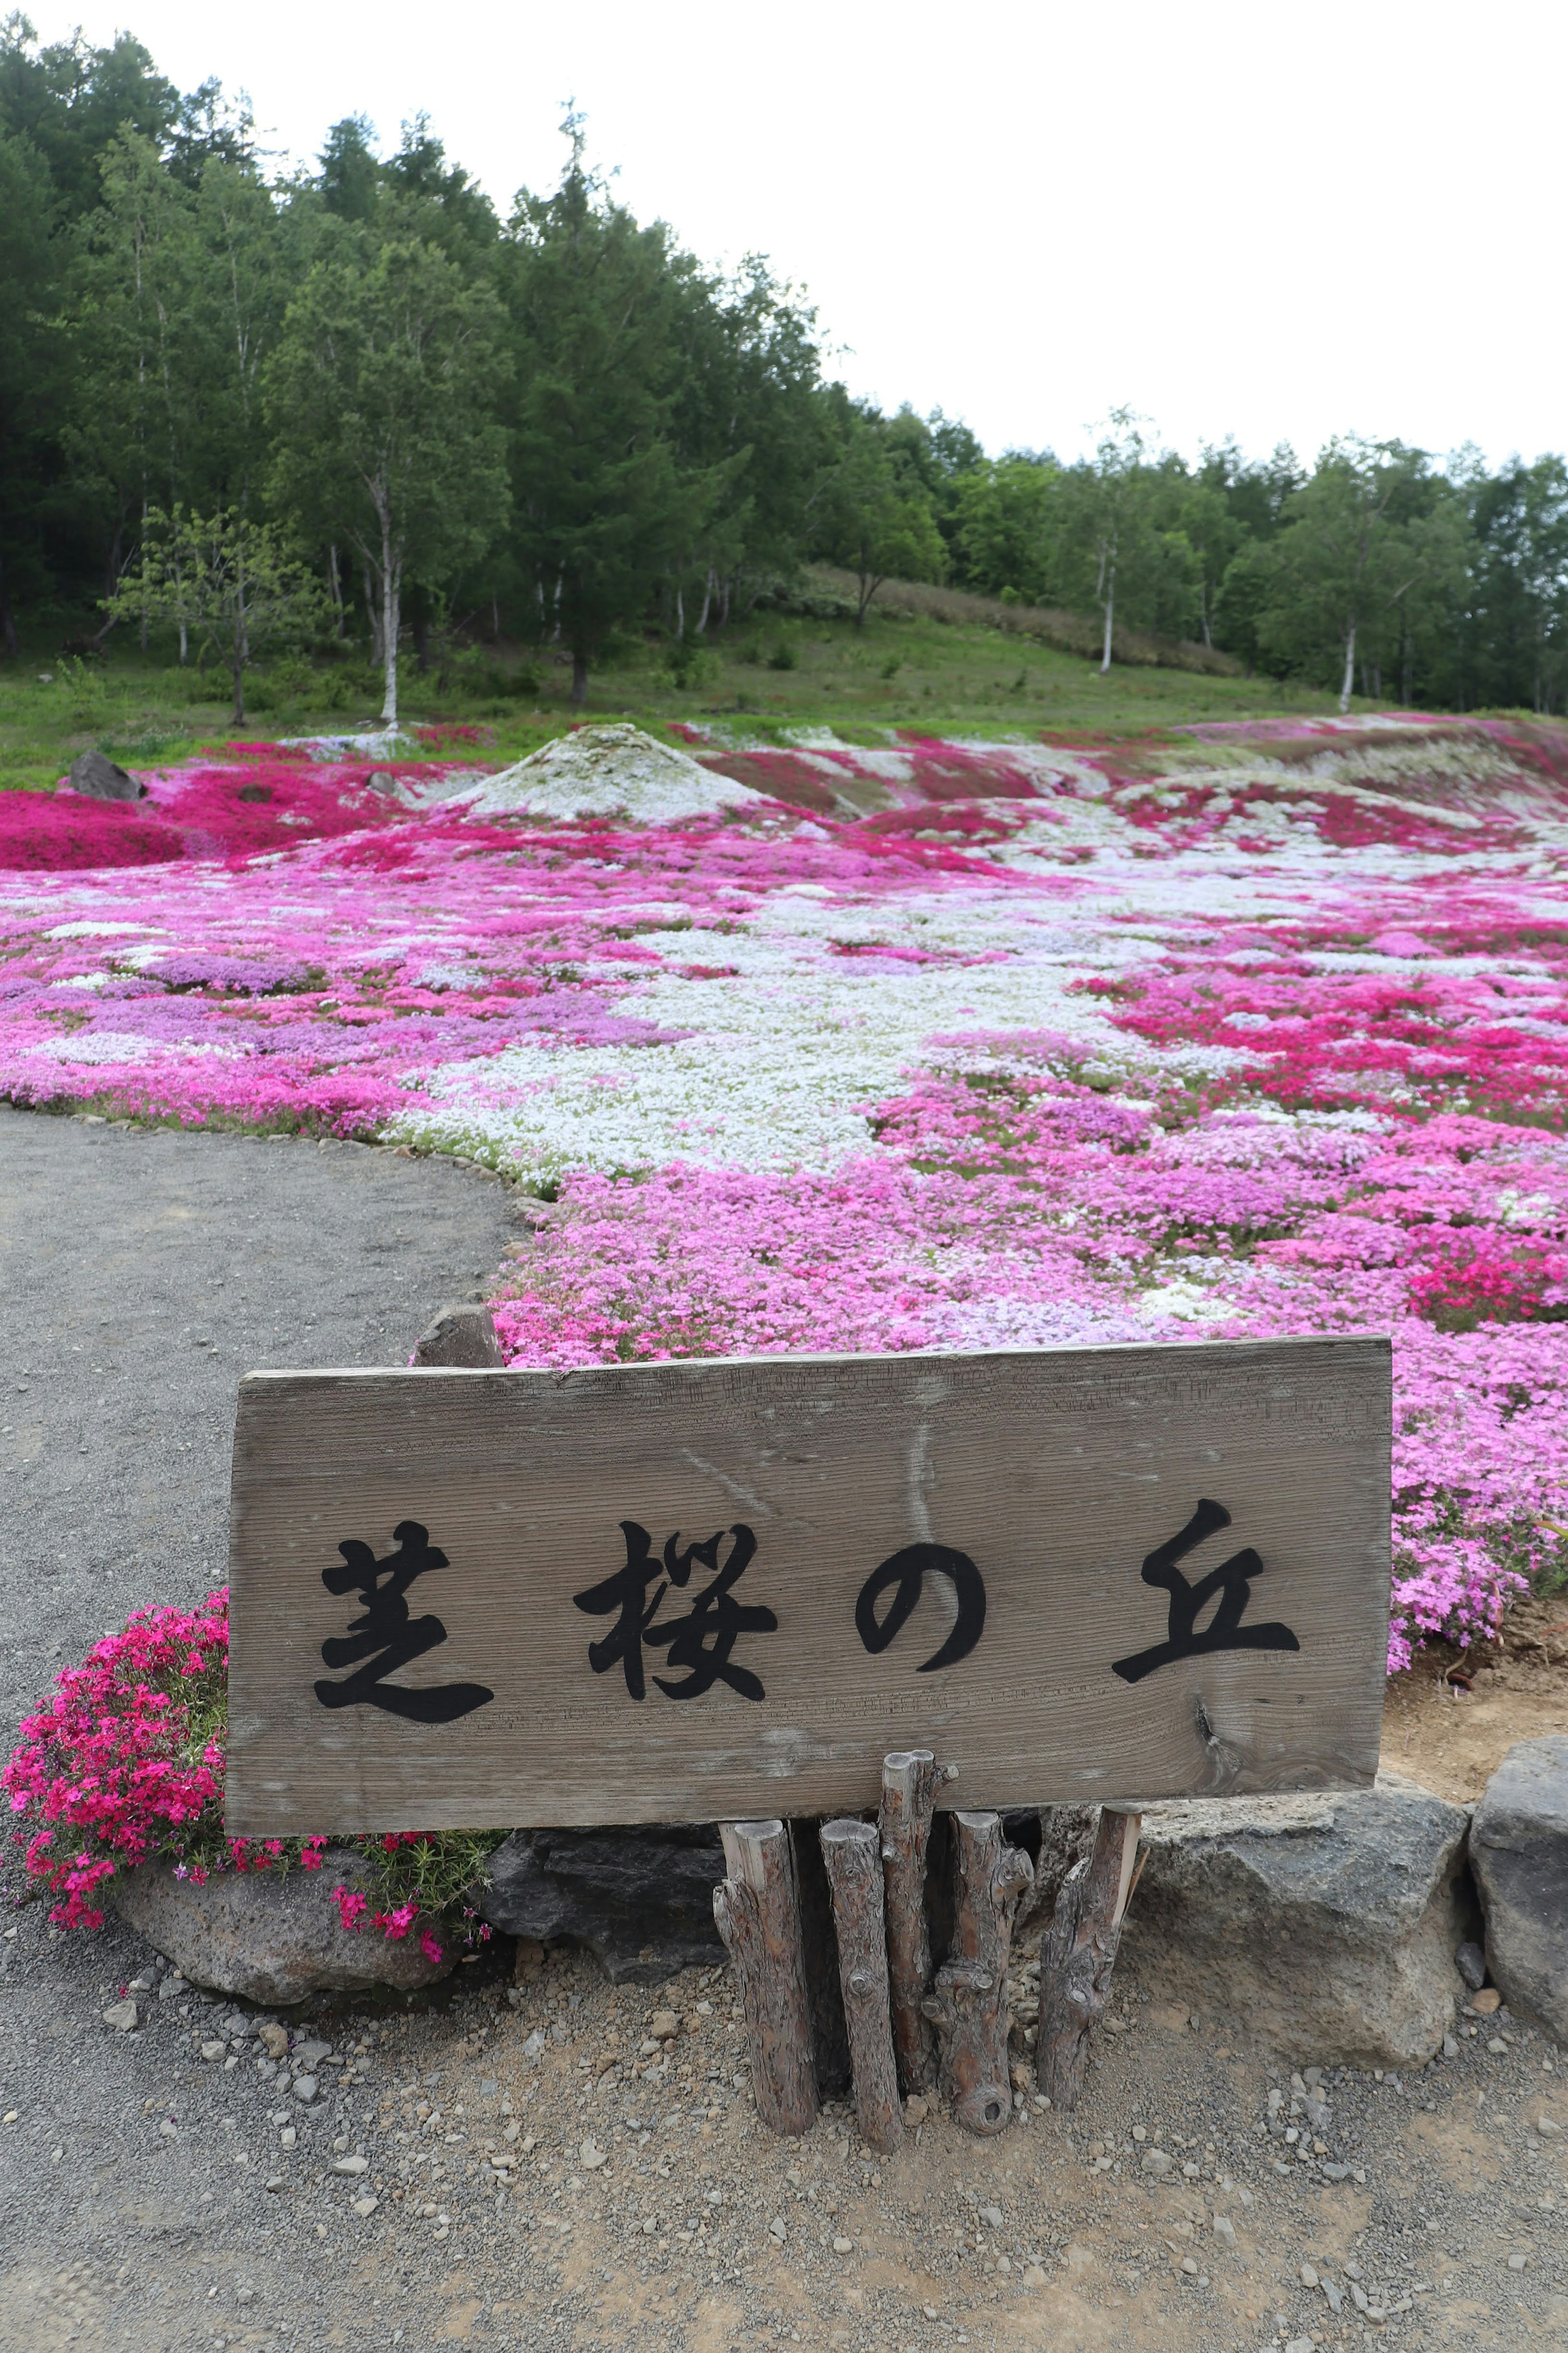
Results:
x,y
764,676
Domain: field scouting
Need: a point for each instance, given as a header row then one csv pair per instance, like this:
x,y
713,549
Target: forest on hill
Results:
x,y
357,406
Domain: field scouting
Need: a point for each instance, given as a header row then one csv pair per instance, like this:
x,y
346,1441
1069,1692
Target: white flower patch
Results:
x,y
1181,1302
122,1046
91,931
776,1078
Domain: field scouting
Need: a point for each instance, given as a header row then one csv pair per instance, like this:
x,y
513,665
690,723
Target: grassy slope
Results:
x,y
902,670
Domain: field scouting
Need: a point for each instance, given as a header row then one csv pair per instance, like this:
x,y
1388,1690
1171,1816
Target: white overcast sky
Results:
x,y
1275,222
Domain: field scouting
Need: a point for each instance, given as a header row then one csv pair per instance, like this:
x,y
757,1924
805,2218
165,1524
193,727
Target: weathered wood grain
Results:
x,y
968,2000
756,1912
850,1850
911,1779
1078,1954
1056,1474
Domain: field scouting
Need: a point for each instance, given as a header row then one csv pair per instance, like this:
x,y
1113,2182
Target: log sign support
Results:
x,y
757,1913
968,2000
1078,1952
892,1997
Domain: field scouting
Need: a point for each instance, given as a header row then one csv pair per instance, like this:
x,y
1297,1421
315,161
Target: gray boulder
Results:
x,y
1326,1924
641,1899
1518,1852
462,1335
94,774
273,1936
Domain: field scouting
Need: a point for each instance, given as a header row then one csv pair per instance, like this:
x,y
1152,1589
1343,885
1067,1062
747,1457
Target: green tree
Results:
x,y
747,418
381,396
1515,627
1002,527
74,101
608,507
349,179
1369,539
30,368
138,382
225,580
876,515
1111,525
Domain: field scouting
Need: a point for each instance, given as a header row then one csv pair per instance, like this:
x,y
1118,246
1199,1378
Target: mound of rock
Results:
x,y
1326,1925
270,1936
607,771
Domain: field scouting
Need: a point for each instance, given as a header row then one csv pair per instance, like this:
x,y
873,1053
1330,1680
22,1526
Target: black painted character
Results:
x,y
386,1637
1230,1581
907,1571
702,1642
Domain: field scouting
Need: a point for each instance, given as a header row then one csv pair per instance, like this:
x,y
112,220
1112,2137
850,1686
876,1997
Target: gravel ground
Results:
x,y
529,2164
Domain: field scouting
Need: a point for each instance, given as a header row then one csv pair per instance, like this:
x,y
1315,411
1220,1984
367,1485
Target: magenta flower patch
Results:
x,y
932,1045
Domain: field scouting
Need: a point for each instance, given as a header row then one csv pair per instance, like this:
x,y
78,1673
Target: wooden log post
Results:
x,y
911,1779
756,1912
851,1853
1078,1952
968,2003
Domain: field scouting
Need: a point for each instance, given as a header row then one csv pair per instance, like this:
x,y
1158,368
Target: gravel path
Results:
x,y
143,1270
526,2167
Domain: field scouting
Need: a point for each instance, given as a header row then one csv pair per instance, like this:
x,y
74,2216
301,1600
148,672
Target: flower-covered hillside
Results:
x,y
929,1045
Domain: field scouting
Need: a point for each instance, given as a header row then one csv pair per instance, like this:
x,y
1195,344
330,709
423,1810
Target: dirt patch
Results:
x,y
1450,1721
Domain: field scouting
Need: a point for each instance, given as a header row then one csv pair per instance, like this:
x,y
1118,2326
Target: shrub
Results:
x,y
125,1765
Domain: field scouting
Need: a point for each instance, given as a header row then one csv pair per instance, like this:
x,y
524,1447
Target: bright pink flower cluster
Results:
x,y
127,1762
126,1766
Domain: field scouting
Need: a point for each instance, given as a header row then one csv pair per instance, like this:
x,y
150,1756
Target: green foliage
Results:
x,y
565,422
876,514
382,398
606,504
230,582
1369,549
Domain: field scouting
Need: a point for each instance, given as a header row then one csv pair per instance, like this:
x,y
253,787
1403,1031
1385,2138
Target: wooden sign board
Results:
x,y
711,1590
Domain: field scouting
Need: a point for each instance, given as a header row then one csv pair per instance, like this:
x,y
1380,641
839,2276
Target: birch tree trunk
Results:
x,y
1349,679
1110,616
391,598
373,608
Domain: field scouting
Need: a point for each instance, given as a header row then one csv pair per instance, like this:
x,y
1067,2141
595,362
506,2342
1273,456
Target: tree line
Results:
x,y
358,404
